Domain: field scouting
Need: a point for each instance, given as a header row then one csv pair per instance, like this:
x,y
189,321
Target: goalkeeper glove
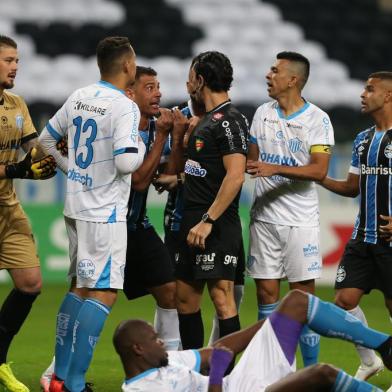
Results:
x,y
41,169
62,146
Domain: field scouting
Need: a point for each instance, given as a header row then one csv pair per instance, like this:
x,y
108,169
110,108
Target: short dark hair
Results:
x,y
216,70
109,51
297,58
7,41
140,71
385,75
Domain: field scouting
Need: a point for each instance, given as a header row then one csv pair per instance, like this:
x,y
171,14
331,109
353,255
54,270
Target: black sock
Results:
x,y
13,313
191,330
385,350
228,326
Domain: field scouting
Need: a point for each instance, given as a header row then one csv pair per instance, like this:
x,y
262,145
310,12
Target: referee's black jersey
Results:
x,y
222,131
372,161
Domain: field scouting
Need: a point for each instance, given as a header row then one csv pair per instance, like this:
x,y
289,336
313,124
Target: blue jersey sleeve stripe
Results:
x,y
198,361
252,140
55,135
132,150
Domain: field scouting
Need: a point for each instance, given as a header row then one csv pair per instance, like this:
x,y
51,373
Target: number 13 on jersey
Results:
x,y
84,156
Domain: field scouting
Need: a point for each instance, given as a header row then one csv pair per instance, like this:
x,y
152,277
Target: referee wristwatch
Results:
x,y
206,218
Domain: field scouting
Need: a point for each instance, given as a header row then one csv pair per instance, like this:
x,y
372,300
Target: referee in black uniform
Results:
x,y
211,232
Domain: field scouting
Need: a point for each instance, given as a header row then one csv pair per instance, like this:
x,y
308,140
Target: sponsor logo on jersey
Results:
x,y
230,260
294,126
19,122
229,134
279,135
79,105
199,144
206,261
4,120
73,175
388,151
295,145
194,168
340,274
376,170
268,120
217,116
310,250
85,268
278,159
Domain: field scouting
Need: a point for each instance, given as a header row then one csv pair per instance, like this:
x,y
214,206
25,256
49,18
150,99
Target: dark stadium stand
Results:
x,y
356,32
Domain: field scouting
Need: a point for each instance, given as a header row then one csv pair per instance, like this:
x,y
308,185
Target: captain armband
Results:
x,y
320,148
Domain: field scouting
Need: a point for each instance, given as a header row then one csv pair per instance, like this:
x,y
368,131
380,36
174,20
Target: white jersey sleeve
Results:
x,y
287,140
100,122
180,375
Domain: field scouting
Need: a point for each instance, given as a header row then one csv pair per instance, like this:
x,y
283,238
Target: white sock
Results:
x,y
238,294
50,370
367,355
166,325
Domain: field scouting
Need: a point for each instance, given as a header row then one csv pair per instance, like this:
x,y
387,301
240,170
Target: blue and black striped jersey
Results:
x,y
372,161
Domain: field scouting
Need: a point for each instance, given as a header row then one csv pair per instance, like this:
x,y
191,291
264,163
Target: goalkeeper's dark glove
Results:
x,y
62,146
40,169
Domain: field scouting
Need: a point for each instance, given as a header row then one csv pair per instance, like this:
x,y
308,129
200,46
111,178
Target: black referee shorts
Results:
x,y
365,266
219,260
148,263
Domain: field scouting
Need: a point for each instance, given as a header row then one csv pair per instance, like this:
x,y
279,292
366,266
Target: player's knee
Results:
x,y
345,302
295,298
30,285
325,373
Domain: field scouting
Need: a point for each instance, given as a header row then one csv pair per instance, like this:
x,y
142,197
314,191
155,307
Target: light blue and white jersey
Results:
x,y
181,375
287,141
100,122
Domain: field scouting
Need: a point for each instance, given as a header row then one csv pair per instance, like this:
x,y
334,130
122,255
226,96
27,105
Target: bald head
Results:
x,y
298,65
128,333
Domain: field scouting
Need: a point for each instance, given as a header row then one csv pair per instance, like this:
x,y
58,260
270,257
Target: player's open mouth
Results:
x,y
155,106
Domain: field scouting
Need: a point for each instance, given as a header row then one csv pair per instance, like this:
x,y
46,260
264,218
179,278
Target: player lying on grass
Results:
x,y
268,363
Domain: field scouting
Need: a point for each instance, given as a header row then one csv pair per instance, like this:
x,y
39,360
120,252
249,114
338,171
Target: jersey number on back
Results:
x,y
81,159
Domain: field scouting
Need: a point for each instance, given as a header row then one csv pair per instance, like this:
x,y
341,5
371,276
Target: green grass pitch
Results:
x,y
32,349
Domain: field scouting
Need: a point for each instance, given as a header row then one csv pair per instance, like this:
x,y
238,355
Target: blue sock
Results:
x,y
88,327
266,310
66,316
309,343
345,383
329,320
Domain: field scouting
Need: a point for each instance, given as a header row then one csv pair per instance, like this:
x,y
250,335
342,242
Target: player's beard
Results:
x,y
7,85
164,362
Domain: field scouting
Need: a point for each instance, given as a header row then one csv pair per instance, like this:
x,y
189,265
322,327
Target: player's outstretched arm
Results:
x,y
348,187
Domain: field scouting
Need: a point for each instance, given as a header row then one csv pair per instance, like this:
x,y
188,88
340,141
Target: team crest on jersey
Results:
x,y
199,144
295,145
19,122
217,116
4,120
388,151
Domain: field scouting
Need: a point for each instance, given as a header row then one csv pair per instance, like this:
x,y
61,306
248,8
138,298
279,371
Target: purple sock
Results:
x,y
287,331
219,362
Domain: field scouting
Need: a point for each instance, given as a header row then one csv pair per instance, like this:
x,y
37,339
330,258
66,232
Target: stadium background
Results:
x,y
344,41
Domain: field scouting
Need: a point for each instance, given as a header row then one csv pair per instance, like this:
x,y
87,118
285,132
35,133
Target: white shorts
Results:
x,y
262,364
277,251
97,252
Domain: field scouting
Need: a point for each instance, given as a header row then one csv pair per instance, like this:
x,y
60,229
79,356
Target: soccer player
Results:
x,y
289,149
148,268
101,124
211,232
18,253
366,262
268,362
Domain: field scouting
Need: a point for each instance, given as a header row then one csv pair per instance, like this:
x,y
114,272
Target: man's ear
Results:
x,y
200,82
130,93
293,81
388,96
137,349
